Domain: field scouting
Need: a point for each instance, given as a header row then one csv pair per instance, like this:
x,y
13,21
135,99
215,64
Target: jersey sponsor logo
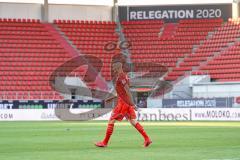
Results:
x,y
124,81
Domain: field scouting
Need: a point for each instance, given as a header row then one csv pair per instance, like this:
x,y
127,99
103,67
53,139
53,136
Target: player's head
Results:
x,y
117,67
118,64
119,58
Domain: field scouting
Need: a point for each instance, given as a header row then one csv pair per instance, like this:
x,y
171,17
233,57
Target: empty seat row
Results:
x,y
14,20
91,22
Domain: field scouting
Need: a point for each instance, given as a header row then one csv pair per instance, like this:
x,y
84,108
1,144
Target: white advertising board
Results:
x,y
151,114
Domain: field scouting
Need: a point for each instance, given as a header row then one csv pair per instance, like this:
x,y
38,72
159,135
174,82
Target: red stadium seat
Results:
x,y
30,52
90,37
26,46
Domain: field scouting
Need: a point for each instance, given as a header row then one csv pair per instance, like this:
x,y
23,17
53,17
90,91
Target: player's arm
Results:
x,y
109,99
111,96
126,87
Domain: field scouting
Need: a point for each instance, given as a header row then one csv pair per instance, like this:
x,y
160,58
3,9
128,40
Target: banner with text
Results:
x,y
198,103
147,114
47,104
175,13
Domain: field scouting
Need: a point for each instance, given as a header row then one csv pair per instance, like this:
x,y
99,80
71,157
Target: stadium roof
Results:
x,y
121,2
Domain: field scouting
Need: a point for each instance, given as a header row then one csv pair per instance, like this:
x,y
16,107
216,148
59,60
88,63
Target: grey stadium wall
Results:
x,y
56,11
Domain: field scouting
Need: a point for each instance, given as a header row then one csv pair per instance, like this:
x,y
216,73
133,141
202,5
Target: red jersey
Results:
x,y
122,80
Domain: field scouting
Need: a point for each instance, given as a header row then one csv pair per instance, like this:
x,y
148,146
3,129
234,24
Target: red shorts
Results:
x,y
123,110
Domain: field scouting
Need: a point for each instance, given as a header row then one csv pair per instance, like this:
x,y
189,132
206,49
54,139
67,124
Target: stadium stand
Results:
x,y
225,65
31,50
153,41
28,56
211,51
90,37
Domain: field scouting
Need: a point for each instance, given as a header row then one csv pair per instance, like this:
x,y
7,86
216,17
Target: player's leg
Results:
x,y
109,131
117,114
108,134
139,127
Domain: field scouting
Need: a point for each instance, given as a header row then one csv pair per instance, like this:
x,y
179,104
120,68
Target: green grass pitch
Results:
x,y
74,141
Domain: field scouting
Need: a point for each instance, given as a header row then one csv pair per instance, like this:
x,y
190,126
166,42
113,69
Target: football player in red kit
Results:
x,y
125,107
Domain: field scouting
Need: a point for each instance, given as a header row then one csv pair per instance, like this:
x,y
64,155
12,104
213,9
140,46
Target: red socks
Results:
x,y
109,132
110,128
142,131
